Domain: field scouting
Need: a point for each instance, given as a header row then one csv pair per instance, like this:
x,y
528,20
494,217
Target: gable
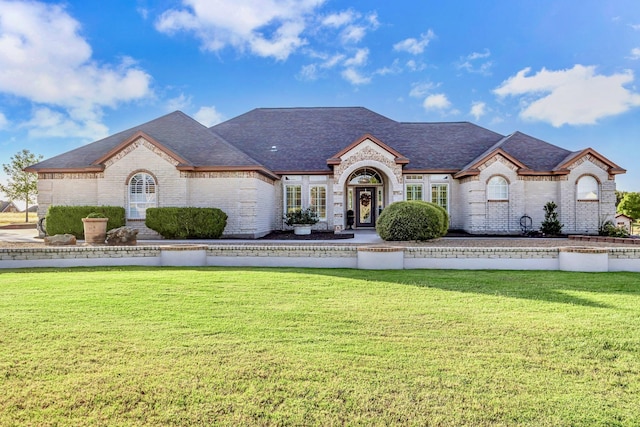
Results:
x,y
363,147
592,156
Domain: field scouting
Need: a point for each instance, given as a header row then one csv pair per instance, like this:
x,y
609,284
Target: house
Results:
x,y
337,161
625,221
8,207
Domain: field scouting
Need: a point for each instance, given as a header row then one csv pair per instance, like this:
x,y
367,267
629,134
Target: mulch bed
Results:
x,y
315,235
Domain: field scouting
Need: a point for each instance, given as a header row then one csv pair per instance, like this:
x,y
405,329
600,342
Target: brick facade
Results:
x,y
254,203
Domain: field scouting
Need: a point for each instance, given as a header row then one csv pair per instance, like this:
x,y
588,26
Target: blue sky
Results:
x,y
565,71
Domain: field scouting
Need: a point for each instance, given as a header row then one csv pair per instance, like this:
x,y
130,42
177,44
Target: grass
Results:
x,y
231,346
7,218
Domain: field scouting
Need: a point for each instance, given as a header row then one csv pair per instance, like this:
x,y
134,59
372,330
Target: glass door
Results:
x,y
365,206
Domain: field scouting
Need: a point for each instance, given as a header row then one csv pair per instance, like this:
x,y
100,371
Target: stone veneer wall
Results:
x,y
325,256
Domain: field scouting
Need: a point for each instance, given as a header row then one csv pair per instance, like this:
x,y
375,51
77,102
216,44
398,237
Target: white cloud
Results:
x,y
268,28
353,34
473,63
40,48
635,53
420,90
338,20
574,96
355,77
437,101
208,116
635,27
478,109
180,102
308,73
415,46
3,121
359,59
48,123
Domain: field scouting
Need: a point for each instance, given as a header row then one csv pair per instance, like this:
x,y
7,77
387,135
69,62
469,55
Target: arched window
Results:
x,y
365,176
587,188
142,195
497,189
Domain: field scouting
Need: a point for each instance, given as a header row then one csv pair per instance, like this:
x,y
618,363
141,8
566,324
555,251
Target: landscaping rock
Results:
x,y
60,240
122,236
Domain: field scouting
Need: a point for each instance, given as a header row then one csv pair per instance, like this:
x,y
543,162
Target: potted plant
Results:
x,y
95,228
301,220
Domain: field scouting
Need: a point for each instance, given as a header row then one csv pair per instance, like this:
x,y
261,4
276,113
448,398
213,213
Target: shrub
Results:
x,y
305,217
412,220
551,225
609,229
187,223
68,219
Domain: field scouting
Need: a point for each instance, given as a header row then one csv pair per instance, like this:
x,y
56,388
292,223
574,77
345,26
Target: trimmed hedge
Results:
x,y
187,223
68,219
412,220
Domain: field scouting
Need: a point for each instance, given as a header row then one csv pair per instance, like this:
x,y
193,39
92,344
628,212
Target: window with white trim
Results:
x,y
142,195
587,188
413,192
318,200
498,189
440,195
293,198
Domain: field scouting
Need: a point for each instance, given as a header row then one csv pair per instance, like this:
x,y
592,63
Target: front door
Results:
x,y
365,207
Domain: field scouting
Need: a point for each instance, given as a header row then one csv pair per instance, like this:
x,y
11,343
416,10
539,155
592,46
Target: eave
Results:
x,y
85,169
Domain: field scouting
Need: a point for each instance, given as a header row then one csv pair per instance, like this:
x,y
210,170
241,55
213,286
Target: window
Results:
x,y
414,192
587,188
498,189
142,195
440,195
318,200
293,198
365,176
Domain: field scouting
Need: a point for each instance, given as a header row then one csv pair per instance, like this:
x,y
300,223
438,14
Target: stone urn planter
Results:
x,y
95,230
301,220
301,229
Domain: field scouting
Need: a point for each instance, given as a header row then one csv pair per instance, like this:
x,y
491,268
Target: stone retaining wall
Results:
x,y
329,256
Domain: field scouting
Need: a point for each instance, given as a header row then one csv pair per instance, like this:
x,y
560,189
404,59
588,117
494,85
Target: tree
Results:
x,y
551,225
630,205
619,196
21,185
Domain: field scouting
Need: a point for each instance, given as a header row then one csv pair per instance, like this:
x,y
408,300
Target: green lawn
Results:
x,y
232,346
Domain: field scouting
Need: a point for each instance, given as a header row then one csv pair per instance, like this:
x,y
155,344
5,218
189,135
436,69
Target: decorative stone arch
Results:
x,y
392,186
137,171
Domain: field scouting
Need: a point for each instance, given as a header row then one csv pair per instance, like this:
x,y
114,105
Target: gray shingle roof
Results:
x,y
536,154
176,131
305,138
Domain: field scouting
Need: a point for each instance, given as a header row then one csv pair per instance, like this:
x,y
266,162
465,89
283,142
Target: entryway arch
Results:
x,y
365,196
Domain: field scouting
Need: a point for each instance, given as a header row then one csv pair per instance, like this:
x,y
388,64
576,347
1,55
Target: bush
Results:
x,y
68,219
187,223
610,230
299,216
551,225
412,220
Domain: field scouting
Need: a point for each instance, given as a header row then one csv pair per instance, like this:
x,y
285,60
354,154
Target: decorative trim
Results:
x,y
74,175
221,175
